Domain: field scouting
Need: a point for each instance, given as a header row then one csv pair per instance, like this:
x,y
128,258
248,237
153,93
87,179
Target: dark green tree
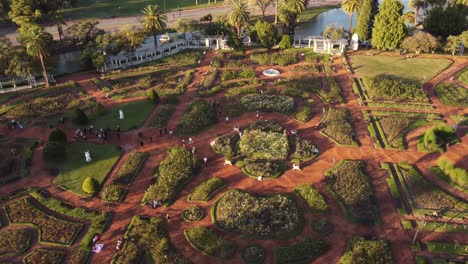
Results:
x,y
389,29
83,33
285,42
365,20
79,117
449,21
90,185
57,135
152,95
334,32
266,34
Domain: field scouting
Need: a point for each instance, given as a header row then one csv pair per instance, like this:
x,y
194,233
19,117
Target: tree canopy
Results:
x,y
443,22
420,42
365,20
334,32
266,33
389,29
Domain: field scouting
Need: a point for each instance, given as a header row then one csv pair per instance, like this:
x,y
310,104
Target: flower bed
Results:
x,y
463,75
200,116
209,79
264,169
312,197
79,256
244,213
163,116
266,126
456,176
193,213
304,114
51,229
382,88
14,242
113,194
227,145
452,94
283,58
268,103
352,188
15,158
303,149
174,171
206,190
49,256
147,240
209,243
130,168
302,252
337,126
372,251
253,254
322,226
257,144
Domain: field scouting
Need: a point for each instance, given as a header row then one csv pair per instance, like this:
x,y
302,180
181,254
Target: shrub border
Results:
x,y
255,262
187,238
62,253
211,195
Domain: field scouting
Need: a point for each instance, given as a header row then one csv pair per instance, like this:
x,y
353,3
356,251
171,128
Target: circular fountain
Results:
x,y
271,73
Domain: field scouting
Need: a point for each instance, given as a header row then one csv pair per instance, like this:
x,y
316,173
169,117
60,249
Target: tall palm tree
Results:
x,y
350,7
239,15
37,42
416,5
154,21
296,6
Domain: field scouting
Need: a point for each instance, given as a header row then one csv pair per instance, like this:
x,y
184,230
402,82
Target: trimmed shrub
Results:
x,y
79,117
266,126
207,189
145,81
90,185
456,175
312,197
264,169
303,252
200,116
208,242
99,109
131,167
257,144
152,95
304,114
228,145
268,103
285,42
58,136
253,254
322,226
113,194
193,213
436,138
382,88
54,152
336,123
361,250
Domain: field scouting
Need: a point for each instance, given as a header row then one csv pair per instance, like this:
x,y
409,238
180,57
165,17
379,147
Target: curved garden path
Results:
x,y
312,172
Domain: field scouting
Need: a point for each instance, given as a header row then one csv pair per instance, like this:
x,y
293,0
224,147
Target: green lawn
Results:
x,y
447,248
452,94
135,114
75,169
118,8
417,70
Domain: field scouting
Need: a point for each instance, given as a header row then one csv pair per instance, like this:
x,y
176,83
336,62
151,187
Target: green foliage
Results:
x,y
268,103
323,226
382,88
188,57
301,252
79,118
334,32
285,42
436,138
200,116
244,213
228,145
304,114
303,149
394,128
264,169
149,238
209,79
14,242
152,95
352,187
365,20
54,152
42,255
446,21
266,126
336,125
145,81
90,185
131,167
112,194
420,42
253,254
282,58
241,90
389,29
207,189
58,136
99,109
312,197
193,213
163,116
463,74
258,144
365,251
266,33
452,94
231,75
456,175
208,242
174,170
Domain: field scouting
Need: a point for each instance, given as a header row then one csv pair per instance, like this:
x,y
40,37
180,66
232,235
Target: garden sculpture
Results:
x,y
227,162
296,167
121,114
87,156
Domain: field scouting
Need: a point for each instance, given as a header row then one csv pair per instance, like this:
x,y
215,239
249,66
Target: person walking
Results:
x,y
142,144
190,141
205,161
227,119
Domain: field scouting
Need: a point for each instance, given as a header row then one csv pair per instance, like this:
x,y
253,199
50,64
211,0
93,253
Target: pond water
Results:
x,y
317,25
68,62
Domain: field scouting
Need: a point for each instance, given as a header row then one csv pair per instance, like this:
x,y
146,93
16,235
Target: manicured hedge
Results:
x,y
312,197
303,149
303,252
253,254
268,103
227,145
147,240
382,88
244,213
193,213
51,229
436,139
131,167
304,114
14,242
337,126
42,255
283,58
200,116
369,251
452,94
264,169
257,144
206,190
163,115
209,243
174,171
456,175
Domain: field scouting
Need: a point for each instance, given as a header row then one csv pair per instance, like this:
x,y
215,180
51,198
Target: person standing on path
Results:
x,y
205,160
227,119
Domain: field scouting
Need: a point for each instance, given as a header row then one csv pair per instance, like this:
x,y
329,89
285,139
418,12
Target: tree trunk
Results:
x,y
276,12
44,70
416,13
263,11
238,31
350,25
155,39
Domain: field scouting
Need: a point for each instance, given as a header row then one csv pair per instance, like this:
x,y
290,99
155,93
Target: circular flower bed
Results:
x,y
193,213
322,226
262,217
253,254
264,169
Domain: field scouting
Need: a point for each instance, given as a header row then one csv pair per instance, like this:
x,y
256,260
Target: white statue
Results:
x,y
355,42
296,167
87,156
121,114
227,162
